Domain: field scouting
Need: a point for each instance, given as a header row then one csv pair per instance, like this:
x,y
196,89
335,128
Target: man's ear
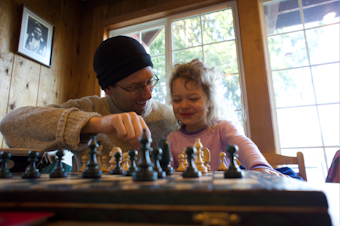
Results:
x,y
108,90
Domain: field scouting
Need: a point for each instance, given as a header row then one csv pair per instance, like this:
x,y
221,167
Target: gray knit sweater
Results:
x,y
58,126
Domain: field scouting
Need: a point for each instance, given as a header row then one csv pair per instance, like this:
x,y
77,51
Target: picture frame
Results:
x,y
36,37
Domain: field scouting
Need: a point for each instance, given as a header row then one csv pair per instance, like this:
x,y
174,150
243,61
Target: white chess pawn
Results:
x,y
185,162
199,154
206,158
99,154
125,161
181,166
84,160
222,166
113,159
105,159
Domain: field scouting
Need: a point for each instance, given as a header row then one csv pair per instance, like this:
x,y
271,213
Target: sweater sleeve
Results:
x,y
248,153
45,128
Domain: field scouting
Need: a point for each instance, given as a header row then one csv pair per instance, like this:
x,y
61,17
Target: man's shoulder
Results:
x,y
160,107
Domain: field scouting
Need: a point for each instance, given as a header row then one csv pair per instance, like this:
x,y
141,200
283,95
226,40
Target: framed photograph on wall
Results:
x,y
36,36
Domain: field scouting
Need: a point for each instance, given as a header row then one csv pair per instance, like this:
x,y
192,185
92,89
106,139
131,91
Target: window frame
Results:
x,y
166,22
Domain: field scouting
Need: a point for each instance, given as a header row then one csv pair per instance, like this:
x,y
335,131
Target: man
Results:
x,y
124,72
35,41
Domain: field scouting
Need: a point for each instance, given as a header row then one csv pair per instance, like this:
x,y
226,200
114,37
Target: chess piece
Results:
x,y
181,166
4,171
105,160
118,168
199,154
84,159
32,171
125,162
206,158
99,154
59,171
112,155
191,171
145,171
92,170
222,166
133,156
156,156
185,162
166,157
233,171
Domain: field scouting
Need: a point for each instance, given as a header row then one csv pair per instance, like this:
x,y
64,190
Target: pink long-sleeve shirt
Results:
x,y
216,139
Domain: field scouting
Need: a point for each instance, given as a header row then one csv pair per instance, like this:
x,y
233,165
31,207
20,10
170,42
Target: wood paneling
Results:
x,y
25,82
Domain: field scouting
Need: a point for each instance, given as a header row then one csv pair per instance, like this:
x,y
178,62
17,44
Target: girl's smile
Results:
x,y
190,104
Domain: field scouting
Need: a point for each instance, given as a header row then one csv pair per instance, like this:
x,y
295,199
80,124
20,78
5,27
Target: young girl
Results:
x,y
193,93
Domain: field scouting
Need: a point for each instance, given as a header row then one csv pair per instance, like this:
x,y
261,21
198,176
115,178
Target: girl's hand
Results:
x,y
271,171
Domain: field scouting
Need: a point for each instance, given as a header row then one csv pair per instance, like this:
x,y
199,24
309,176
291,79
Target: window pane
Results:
x,y
329,119
293,87
155,39
327,83
287,51
299,127
134,36
316,14
187,55
282,17
218,26
159,68
223,56
159,93
186,33
231,91
323,44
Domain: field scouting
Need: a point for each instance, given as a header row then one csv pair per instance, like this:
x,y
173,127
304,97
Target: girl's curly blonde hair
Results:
x,y
208,79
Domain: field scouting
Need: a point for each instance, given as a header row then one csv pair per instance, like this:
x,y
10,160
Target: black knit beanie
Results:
x,y
117,58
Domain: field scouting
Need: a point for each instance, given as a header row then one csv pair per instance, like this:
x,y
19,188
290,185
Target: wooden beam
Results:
x,y
260,117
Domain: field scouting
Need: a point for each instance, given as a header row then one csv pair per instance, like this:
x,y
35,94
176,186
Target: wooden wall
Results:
x,y
24,82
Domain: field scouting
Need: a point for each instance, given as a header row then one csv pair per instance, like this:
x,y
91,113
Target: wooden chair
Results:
x,y
276,159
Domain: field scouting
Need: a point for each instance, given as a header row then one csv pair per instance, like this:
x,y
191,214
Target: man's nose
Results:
x,y
146,92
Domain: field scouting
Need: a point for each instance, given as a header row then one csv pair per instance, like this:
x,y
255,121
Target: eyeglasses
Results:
x,y
137,89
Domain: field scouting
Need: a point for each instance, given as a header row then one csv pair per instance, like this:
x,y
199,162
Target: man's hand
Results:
x,y
126,126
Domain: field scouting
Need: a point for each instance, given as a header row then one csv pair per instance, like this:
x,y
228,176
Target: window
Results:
x,y
303,52
209,34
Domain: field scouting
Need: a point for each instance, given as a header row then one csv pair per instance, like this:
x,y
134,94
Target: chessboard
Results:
x,y
255,199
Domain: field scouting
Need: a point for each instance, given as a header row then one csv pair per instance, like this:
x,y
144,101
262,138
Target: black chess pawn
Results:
x,y
92,170
166,157
4,171
233,171
145,171
118,168
59,171
32,171
156,156
191,171
133,156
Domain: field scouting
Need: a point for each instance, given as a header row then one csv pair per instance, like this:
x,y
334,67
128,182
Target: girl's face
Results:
x,y
190,104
